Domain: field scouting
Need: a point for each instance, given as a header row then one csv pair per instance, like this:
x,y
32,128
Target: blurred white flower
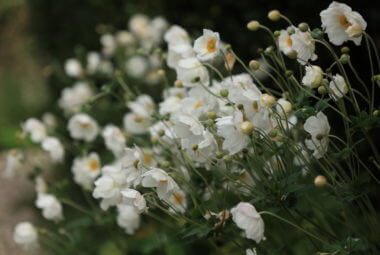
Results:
x,y
178,202
207,46
13,163
93,62
128,218
139,120
82,127
73,68
35,128
338,87
108,43
55,148
342,24
251,251
313,76
49,120
134,198
86,169
159,179
50,206
139,25
40,185
190,69
304,45
74,97
25,235
319,128
137,66
114,139
246,217
125,38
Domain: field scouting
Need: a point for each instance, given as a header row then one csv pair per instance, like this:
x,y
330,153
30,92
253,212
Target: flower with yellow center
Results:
x,y
207,46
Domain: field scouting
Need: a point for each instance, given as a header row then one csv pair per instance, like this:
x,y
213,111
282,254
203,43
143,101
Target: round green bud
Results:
x,y
322,90
269,50
194,147
274,15
219,154
161,132
303,27
253,25
290,30
223,93
344,58
276,33
246,127
273,133
254,65
161,72
344,49
288,73
376,113
212,115
227,159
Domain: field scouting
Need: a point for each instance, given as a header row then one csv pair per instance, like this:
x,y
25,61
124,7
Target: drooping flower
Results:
x,y
319,128
114,139
304,45
207,46
55,148
159,179
134,198
25,234
50,206
285,43
342,24
86,169
338,87
82,127
313,76
246,217
74,97
128,218
35,128
192,73
73,68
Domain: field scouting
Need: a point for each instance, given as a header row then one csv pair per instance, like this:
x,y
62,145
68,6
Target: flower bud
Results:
x,y
273,133
320,181
212,115
253,25
292,54
161,72
194,147
376,113
210,122
195,79
227,159
303,27
345,49
178,84
276,33
154,139
290,30
269,50
161,132
288,73
254,65
354,30
284,106
274,15
344,58
322,90
246,127
267,100
219,154
223,93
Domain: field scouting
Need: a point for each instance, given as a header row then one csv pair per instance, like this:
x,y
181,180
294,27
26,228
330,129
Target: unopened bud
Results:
x,y
273,133
194,147
322,90
345,49
269,50
161,72
276,33
227,159
354,30
344,58
246,127
303,27
223,93
274,15
212,115
219,154
161,132
376,113
267,100
320,181
178,84
253,25
254,65
290,30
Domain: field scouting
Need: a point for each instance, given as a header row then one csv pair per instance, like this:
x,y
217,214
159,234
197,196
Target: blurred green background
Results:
x,y
37,35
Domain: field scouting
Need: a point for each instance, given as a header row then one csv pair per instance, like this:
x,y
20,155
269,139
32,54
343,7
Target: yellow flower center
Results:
x,y
211,47
85,125
198,104
93,164
343,21
289,42
148,159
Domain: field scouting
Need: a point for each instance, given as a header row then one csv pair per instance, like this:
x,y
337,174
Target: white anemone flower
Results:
x,y
74,97
178,202
313,76
50,206
199,102
190,69
247,218
342,24
319,128
86,169
338,87
25,235
176,35
35,128
207,46
55,148
304,45
128,218
137,66
285,43
134,198
73,68
114,139
159,179
82,127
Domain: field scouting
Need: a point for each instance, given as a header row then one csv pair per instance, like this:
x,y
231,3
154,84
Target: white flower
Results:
x,y
285,43
40,185
177,201
319,128
190,69
139,25
304,45
246,217
229,128
73,67
128,218
93,62
134,198
114,139
125,38
55,148
139,120
135,124
109,45
251,251
199,102
313,76
74,97
82,127
108,186
49,120
207,46
338,87
176,35
26,235
159,179
179,45
13,163
50,206
86,169
136,66
35,128
342,24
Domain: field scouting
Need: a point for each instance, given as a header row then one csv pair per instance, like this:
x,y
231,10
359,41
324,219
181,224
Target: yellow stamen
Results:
x,y
198,104
93,164
343,21
211,47
289,42
178,198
